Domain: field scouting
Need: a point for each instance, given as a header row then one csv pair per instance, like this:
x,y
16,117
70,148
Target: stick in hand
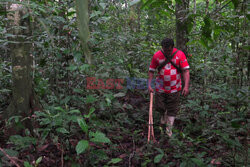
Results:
x,y
150,121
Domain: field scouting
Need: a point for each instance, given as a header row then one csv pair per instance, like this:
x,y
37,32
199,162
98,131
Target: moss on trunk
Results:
x,y
22,92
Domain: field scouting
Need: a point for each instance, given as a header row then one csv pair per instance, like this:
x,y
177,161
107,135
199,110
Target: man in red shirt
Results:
x,y
167,97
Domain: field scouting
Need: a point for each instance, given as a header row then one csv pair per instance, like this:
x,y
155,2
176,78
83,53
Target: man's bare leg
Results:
x,y
169,124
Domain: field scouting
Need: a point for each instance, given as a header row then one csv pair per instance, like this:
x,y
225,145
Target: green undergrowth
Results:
x,y
100,127
111,130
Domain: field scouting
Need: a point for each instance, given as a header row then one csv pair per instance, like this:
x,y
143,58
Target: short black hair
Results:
x,y
167,42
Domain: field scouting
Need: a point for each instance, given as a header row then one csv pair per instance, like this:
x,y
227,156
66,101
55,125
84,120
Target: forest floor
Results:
x,y
127,128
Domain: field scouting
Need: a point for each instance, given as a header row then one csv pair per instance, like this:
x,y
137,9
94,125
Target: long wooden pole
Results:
x,y
150,121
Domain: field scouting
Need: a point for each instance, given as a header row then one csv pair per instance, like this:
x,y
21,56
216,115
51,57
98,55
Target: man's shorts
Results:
x,y
167,102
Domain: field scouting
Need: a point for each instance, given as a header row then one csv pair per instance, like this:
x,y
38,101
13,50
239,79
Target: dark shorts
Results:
x,y
167,102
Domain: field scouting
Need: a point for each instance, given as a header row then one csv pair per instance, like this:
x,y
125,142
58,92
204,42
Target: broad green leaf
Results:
x,y
248,16
16,118
27,164
105,19
198,162
71,13
73,118
43,23
190,25
160,150
83,125
45,133
101,154
99,137
158,158
236,3
66,100
156,4
84,67
207,28
169,10
165,13
62,130
103,5
22,142
90,99
134,2
115,161
59,108
95,13
77,57
72,67
82,146
183,164
59,19
5,90
78,90
231,142
10,152
204,43
236,123
121,94
179,1
45,121
75,112
145,163
92,109
146,4
39,160
108,101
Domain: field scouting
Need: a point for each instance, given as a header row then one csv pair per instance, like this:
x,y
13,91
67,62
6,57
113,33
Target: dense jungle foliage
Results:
x,y
75,126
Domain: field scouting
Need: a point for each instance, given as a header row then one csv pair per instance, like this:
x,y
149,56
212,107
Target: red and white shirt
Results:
x,y
169,75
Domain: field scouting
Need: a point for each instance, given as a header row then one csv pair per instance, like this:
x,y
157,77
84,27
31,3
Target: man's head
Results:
x,y
167,45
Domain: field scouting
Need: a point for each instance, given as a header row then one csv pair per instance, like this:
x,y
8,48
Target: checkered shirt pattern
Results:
x,y
169,75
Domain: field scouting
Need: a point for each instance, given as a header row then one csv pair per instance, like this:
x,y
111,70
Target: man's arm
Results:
x,y
150,78
186,78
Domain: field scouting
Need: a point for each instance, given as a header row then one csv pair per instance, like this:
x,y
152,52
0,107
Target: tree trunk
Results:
x,y
194,11
194,6
83,26
181,11
207,4
22,92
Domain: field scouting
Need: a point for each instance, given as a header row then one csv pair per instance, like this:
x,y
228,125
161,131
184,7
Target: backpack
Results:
x,y
169,59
